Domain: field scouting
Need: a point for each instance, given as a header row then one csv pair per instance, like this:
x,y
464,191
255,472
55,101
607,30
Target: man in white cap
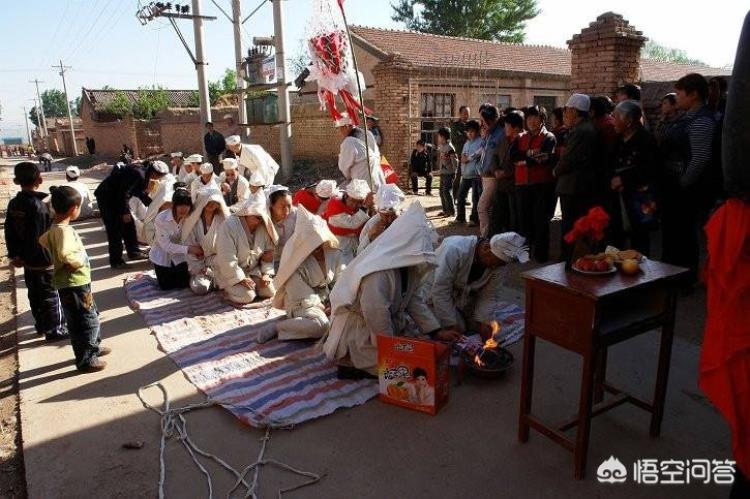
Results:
x,y
310,266
190,168
175,162
353,154
252,158
379,290
388,201
245,244
215,145
207,179
316,196
469,268
346,215
580,171
234,188
73,173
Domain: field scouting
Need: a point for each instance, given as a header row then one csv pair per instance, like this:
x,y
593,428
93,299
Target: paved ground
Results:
x,y
74,425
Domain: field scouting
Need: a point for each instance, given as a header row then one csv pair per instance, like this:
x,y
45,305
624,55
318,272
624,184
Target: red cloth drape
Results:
x,y
725,357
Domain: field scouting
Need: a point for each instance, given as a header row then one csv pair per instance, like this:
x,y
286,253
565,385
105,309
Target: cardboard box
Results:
x,y
413,373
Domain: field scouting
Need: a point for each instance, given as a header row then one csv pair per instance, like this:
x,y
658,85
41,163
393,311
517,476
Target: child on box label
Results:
x,y
72,279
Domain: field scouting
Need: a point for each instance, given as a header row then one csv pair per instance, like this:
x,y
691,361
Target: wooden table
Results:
x,y
586,314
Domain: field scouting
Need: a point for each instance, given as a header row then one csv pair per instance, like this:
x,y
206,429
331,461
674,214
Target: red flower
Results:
x,y
591,226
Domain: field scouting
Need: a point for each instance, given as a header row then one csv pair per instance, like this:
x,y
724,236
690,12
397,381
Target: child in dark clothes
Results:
x,y
28,218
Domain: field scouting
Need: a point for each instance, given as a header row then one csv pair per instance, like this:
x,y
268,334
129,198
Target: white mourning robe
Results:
x,y
199,184
364,236
243,191
252,158
202,277
381,308
284,229
305,295
353,161
454,298
87,204
186,177
238,256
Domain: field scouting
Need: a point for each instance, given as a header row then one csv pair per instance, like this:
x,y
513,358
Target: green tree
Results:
x,y
150,101
656,51
32,116
120,105
500,20
225,85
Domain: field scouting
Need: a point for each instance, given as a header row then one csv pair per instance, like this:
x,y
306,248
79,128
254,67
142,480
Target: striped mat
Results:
x,y
273,384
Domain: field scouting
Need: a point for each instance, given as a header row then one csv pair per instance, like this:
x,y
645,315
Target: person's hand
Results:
x,y
327,310
448,335
225,188
248,283
265,281
616,184
267,256
499,174
369,200
196,251
17,262
126,219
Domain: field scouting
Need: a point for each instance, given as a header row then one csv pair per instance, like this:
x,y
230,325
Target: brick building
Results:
x,y
58,139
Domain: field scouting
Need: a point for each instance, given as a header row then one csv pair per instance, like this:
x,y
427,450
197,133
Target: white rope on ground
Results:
x,y
174,424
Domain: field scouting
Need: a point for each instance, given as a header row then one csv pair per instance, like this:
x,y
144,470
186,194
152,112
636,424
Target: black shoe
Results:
x,y
52,338
346,372
119,265
138,255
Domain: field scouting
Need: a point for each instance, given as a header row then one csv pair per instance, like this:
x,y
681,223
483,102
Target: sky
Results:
x,y
106,45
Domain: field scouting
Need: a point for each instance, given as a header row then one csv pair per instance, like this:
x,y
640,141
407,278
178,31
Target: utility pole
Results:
x,y
67,103
200,63
43,122
285,127
26,121
239,59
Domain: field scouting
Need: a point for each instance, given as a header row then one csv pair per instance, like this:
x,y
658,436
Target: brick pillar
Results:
x,y
392,108
605,55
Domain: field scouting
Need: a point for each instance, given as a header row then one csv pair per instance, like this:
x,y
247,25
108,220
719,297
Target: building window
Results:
x,y
499,100
547,102
441,108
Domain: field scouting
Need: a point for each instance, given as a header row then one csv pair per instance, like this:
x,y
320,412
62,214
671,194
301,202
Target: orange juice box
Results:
x,y
413,373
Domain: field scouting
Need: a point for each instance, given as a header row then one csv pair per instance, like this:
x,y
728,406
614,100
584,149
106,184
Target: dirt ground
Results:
x,y
12,481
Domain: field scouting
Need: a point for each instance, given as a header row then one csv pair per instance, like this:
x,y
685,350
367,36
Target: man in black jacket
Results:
x,y
577,170
214,143
112,196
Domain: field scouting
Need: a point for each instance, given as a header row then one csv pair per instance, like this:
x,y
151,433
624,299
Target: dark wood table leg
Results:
x,y
527,385
662,373
600,375
584,415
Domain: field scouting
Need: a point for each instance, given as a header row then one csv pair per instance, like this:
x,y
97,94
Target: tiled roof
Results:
x,y
100,98
427,50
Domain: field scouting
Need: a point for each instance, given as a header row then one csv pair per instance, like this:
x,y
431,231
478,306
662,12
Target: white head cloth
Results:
x,y
389,198
205,196
194,158
160,167
358,189
206,168
509,247
229,164
232,140
73,171
326,189
275,188
176,155
254,207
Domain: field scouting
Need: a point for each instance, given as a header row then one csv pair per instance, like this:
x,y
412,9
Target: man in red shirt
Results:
x,y
346,215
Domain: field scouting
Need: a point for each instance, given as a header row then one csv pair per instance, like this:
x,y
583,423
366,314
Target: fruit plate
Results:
x,y
611,270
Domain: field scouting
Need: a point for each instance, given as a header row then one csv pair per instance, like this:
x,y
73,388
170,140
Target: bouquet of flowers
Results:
x,y
586,233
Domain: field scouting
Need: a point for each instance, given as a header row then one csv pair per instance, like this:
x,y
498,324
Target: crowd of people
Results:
x,y
594,151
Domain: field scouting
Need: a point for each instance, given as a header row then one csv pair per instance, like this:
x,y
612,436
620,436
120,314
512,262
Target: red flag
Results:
x,y
725,357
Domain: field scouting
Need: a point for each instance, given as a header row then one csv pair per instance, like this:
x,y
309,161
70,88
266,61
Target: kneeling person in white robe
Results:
x,y
161,200
190,169
310,266
377,291
468,271
244,255
201,228
206,180
388,201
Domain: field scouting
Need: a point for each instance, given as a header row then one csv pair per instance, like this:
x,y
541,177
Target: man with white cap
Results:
x,y
346,215
315,197
190,167
379,290
215,145
310,266
353,153
175,162
73,173
161,200
388,201
252,158
234,188
207,179
244,254
469,268
580,171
